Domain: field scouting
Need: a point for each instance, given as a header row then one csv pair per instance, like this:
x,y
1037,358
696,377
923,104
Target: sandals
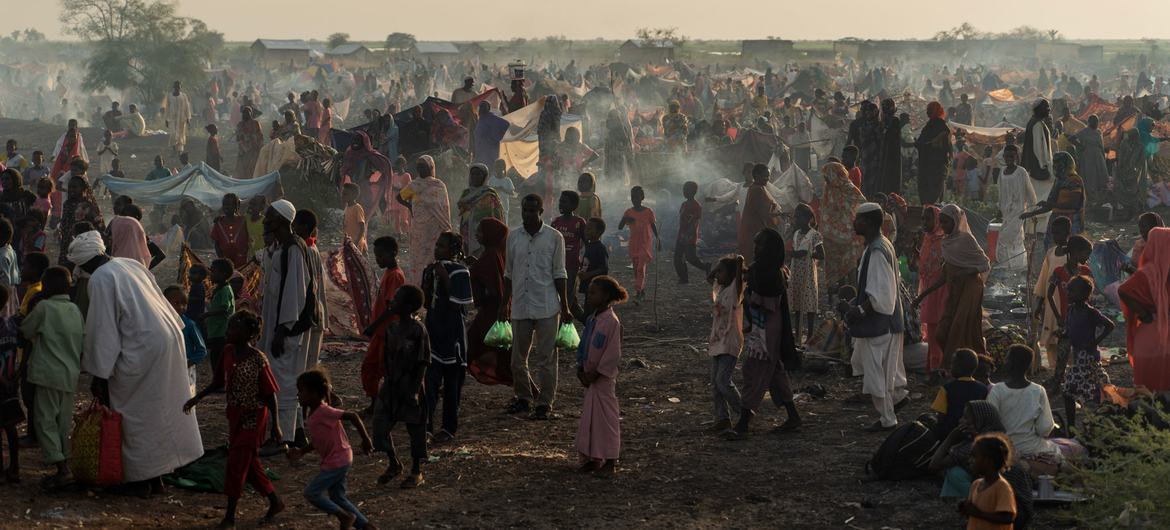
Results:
x,y
392,471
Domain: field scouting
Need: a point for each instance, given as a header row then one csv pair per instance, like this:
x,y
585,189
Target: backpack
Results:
x,y
308,318
905,454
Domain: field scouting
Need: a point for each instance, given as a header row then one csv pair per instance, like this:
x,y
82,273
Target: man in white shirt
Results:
x,y
536,299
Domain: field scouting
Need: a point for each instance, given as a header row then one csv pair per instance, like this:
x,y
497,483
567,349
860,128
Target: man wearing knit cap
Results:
x,y
875,319
288,290
134,350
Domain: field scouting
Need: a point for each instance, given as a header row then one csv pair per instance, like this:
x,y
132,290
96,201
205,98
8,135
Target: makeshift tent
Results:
x,y
983,135
199,182
519,146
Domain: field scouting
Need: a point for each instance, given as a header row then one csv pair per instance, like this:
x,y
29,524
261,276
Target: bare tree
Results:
x,y
96,20
661,36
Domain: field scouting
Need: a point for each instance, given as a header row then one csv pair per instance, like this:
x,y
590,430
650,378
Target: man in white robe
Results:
x,y
875,320
285,295
135,351
1016,196
177,118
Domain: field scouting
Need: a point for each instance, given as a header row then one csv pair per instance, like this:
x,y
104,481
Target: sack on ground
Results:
x,y
97,446
906,452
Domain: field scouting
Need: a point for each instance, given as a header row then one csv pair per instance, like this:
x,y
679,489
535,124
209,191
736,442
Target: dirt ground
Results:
x,y
504,471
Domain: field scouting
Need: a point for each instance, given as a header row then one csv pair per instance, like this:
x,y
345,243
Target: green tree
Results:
x,y
337,39
32,35
964,31
400,41
661,36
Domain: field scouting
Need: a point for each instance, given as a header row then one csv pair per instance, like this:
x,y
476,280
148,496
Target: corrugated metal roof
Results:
x,y
277,44
346,49
435,47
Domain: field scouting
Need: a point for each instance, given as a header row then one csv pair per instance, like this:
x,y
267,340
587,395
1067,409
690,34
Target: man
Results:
x,y
760,211
12,159
963,112
535,287
112,119
489,131
288,292
177,118
464,93
875,319
134,349
136,124
1036,153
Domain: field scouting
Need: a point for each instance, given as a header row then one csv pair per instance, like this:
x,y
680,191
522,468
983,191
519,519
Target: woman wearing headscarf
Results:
x,y
934,154
574,155
80,205
1065,199
478,202
1145,301
548,133
930,273
889,176
1091,155
619,146
487,364
869,141
964,267
359,165
251,139
841,199
426,197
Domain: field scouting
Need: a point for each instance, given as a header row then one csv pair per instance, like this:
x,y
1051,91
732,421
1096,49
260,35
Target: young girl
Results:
x,y
991,504
230,232
327,437
251,398
408,352
11,414
599,434
726,340
1078,251
642,225
1086,378
806,251
447,293
43,201
590,205
32,233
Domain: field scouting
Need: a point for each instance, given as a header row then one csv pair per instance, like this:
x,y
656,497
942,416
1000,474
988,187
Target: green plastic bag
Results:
x,y
567,336
499,335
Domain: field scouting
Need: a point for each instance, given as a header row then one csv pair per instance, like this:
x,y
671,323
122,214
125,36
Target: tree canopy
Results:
x,y
661,36
966,31
399,41
337,39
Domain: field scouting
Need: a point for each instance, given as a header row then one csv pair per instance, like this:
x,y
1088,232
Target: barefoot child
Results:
x,y
807,249
11,415
726,339
594,263
1055,258
572,229
642,225
590,205
55,328
991,504
327,436
447,294
386,254
686,246
1078,251
355,216
221,308
1086,377
599,434
400,399
251,400
192,339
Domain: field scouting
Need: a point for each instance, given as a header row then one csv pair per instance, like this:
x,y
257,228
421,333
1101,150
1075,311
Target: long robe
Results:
x,y
285,312
1016,196
599,433
930,311
251,139
177,113
889,177
880,358
1091,162
134,339
759,212
1147,342
961,325
430,216
934,156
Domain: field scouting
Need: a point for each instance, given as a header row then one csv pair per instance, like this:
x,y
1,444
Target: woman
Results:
x,y
869,141
251,139
15,198
1145,301
930,272
426,198
1066,199
487,364
324,134
360,165
574,155
477,203
619,147
80,205
1091,147
548,133
964,267
230,232
889,179
934,154
842,246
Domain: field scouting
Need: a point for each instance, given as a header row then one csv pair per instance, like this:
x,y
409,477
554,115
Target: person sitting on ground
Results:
x,y
953,397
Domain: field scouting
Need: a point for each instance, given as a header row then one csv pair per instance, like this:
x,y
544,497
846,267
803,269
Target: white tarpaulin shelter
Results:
x,y
519,146
199,182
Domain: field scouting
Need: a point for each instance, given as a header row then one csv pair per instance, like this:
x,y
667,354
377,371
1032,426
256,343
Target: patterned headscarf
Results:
x,y
959,247
934,110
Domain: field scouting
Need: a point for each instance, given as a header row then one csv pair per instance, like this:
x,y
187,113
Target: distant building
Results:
x,y
353,56
471,49
639,52
436,51
766,50
273,53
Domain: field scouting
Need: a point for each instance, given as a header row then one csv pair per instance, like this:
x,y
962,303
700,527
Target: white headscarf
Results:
x,y
85,247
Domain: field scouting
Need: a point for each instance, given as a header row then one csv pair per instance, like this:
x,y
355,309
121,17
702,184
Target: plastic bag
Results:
x,y
567,336
499,335
97,446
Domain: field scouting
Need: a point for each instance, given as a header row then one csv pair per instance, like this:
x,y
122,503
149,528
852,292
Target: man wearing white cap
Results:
x,y
134,350
875,319
288,292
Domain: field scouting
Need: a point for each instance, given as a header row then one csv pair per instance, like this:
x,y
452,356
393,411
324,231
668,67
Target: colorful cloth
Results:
x,y
840,201
475,205
232,239
599,430
803,285
372,369
641,232
1148,343
431,216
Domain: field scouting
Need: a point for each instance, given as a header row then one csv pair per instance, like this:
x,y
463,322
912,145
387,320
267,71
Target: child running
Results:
x,y
408,352
327,436
807,249
642,225
251,400
992,502
599,434
1086,379
726,339
686,246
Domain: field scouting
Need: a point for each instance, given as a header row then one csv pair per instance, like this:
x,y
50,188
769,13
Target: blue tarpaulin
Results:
x,y
199,182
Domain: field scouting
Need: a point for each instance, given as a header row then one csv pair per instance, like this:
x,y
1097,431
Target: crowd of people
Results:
x,y
904,280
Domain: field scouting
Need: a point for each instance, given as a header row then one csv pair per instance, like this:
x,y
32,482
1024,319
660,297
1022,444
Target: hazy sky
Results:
x,y
242,20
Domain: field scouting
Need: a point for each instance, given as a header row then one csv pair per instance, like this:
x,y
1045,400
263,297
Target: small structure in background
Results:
x,y
637,52
436,51
766,50
274,53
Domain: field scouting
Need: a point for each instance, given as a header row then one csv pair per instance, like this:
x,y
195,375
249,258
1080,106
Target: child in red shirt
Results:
x,y
642,225
386,254
686,246
572,229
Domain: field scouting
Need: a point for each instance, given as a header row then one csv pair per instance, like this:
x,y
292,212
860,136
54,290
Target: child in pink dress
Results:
x,y
642,225
599,434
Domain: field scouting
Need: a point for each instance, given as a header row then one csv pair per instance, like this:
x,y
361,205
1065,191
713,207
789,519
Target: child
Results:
x,y
599,434
984,370
355,216
1055,258
38,170
992,502
807,249
230,232
44,202
572,229
642,226
327,435
447,293
222,307
197,295
213,158
975,179
11,415
192,339
257,205
55,328
250,402
1086,378
953,397
400,399
594,262
32,232
35,265
9,264
1027,416
685,247
386,254
590,205
726,340
116,169
1078,251
849,156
